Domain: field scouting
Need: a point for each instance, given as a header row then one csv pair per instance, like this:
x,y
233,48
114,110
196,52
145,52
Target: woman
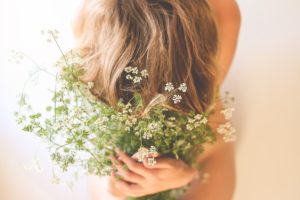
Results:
x,y
177,41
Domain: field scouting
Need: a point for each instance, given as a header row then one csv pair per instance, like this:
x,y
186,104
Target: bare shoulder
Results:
x,y
228,18
231,5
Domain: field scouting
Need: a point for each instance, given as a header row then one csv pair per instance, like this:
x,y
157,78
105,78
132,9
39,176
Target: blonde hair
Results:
x,y
175,40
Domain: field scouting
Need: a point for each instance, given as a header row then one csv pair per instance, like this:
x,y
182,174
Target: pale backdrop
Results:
x,y
265,79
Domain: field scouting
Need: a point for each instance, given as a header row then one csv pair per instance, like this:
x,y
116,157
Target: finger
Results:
x,y
133,165
126,174
133,190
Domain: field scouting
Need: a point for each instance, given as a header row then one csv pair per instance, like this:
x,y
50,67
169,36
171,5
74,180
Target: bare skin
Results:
x,y
218,158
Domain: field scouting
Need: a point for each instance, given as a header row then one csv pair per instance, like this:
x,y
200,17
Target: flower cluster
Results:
x,y
226,129
150,154
83,131
169,87
135,75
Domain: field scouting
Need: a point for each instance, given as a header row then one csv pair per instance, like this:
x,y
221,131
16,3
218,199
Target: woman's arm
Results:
x,y
228,19
219,162
219,158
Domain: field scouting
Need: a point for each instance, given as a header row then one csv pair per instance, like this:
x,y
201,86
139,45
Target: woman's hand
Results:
x,y
140,179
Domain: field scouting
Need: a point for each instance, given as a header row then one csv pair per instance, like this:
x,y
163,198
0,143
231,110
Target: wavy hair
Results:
x,y
175,40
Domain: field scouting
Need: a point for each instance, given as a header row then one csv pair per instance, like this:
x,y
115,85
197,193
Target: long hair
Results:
x,y
175,40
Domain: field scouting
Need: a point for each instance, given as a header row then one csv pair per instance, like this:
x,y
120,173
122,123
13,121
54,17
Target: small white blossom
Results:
x,y
135,70
90,85
128,123
229,138
170,124
129,77
153,127
198,116
183,87
204,120
128,105
227,112
191,120
137,133
147,135
105,119
227,131
144,73
176,98
189,127
137,79
134,120
169,87
152,149
128,69
141,153
172,118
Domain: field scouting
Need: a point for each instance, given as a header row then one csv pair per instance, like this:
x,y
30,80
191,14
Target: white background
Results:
x,y
265,79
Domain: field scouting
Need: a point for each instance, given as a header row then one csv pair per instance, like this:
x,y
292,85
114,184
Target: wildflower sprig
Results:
x,y
83,131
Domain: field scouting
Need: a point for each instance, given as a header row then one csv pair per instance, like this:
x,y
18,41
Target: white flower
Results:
x,y
198,117
128,69
189,127
134,120
153,150
191,120
204,120
147,135
176,98
137,133
227,112
137,79
129,77
227,131
135,70
229,138
153,127
183,87
144,73
90,85
170,124
128,123
141,153
172,118
169,87
105,119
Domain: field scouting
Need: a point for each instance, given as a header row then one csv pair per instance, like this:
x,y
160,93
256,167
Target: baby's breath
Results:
x,y
183,87
137,79
144,73
227,113
129,77
176,98
128,69
91,85
227,131
169,87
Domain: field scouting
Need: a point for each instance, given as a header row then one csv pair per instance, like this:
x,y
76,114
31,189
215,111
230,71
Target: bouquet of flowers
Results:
x,y
83,131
